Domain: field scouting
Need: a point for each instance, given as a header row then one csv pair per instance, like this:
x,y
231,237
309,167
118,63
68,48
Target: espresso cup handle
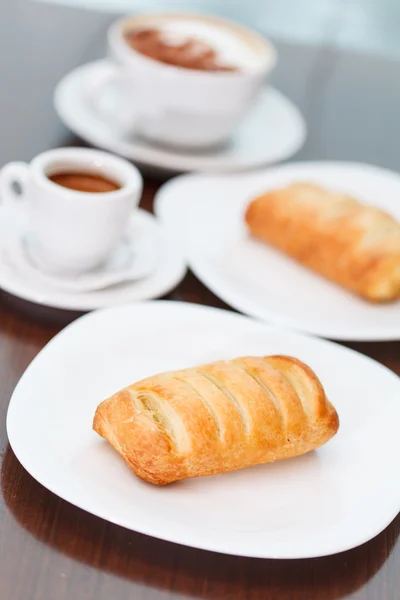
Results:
x,y
12,175
119,112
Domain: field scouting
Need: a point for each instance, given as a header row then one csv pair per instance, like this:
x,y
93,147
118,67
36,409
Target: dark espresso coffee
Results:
x,y
84,182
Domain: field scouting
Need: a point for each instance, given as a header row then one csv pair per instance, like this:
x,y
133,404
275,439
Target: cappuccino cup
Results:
x,y
167,97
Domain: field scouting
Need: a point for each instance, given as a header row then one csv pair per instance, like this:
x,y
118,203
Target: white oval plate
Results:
x,y
206,213
14,279
273,131
325,502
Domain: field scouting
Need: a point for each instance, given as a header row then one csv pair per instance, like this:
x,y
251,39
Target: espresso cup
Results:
x,y
176,106
70,231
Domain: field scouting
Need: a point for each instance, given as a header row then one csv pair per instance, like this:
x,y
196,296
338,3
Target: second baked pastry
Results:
x,y
352,244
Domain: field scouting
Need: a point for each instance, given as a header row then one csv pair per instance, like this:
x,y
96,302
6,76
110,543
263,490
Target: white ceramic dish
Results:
x,y
325,502
206,213
274,131
135,258
27,283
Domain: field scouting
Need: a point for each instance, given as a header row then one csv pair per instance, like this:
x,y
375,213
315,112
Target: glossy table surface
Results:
x,y
50,550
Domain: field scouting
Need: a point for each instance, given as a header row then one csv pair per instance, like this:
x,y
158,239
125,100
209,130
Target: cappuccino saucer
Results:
x,y
145,265
272,132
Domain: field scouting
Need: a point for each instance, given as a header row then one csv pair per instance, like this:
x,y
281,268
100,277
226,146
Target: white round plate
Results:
x,y
168,273
325,502
135,258
273,131
206,213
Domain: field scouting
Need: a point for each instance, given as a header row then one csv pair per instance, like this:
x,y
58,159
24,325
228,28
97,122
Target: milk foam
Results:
x,y
231,49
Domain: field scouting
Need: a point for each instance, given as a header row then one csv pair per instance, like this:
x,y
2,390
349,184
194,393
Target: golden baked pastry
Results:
x,y
218,417
354,245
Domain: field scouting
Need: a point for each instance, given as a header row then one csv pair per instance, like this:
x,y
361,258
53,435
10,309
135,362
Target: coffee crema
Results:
x,y
188,53
84,182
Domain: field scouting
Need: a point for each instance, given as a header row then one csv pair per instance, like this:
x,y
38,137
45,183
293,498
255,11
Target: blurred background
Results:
x,y
329,51
364,25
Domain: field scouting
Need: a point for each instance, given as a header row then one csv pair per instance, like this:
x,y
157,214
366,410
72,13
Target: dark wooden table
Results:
x,y
50,550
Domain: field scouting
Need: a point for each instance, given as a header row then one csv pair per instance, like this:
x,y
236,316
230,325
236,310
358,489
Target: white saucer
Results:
x,y
23,280
274,131
206,213
135,258
327,501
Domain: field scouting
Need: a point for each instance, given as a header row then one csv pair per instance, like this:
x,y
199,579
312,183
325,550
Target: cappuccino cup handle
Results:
x,y
107,95
13,185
